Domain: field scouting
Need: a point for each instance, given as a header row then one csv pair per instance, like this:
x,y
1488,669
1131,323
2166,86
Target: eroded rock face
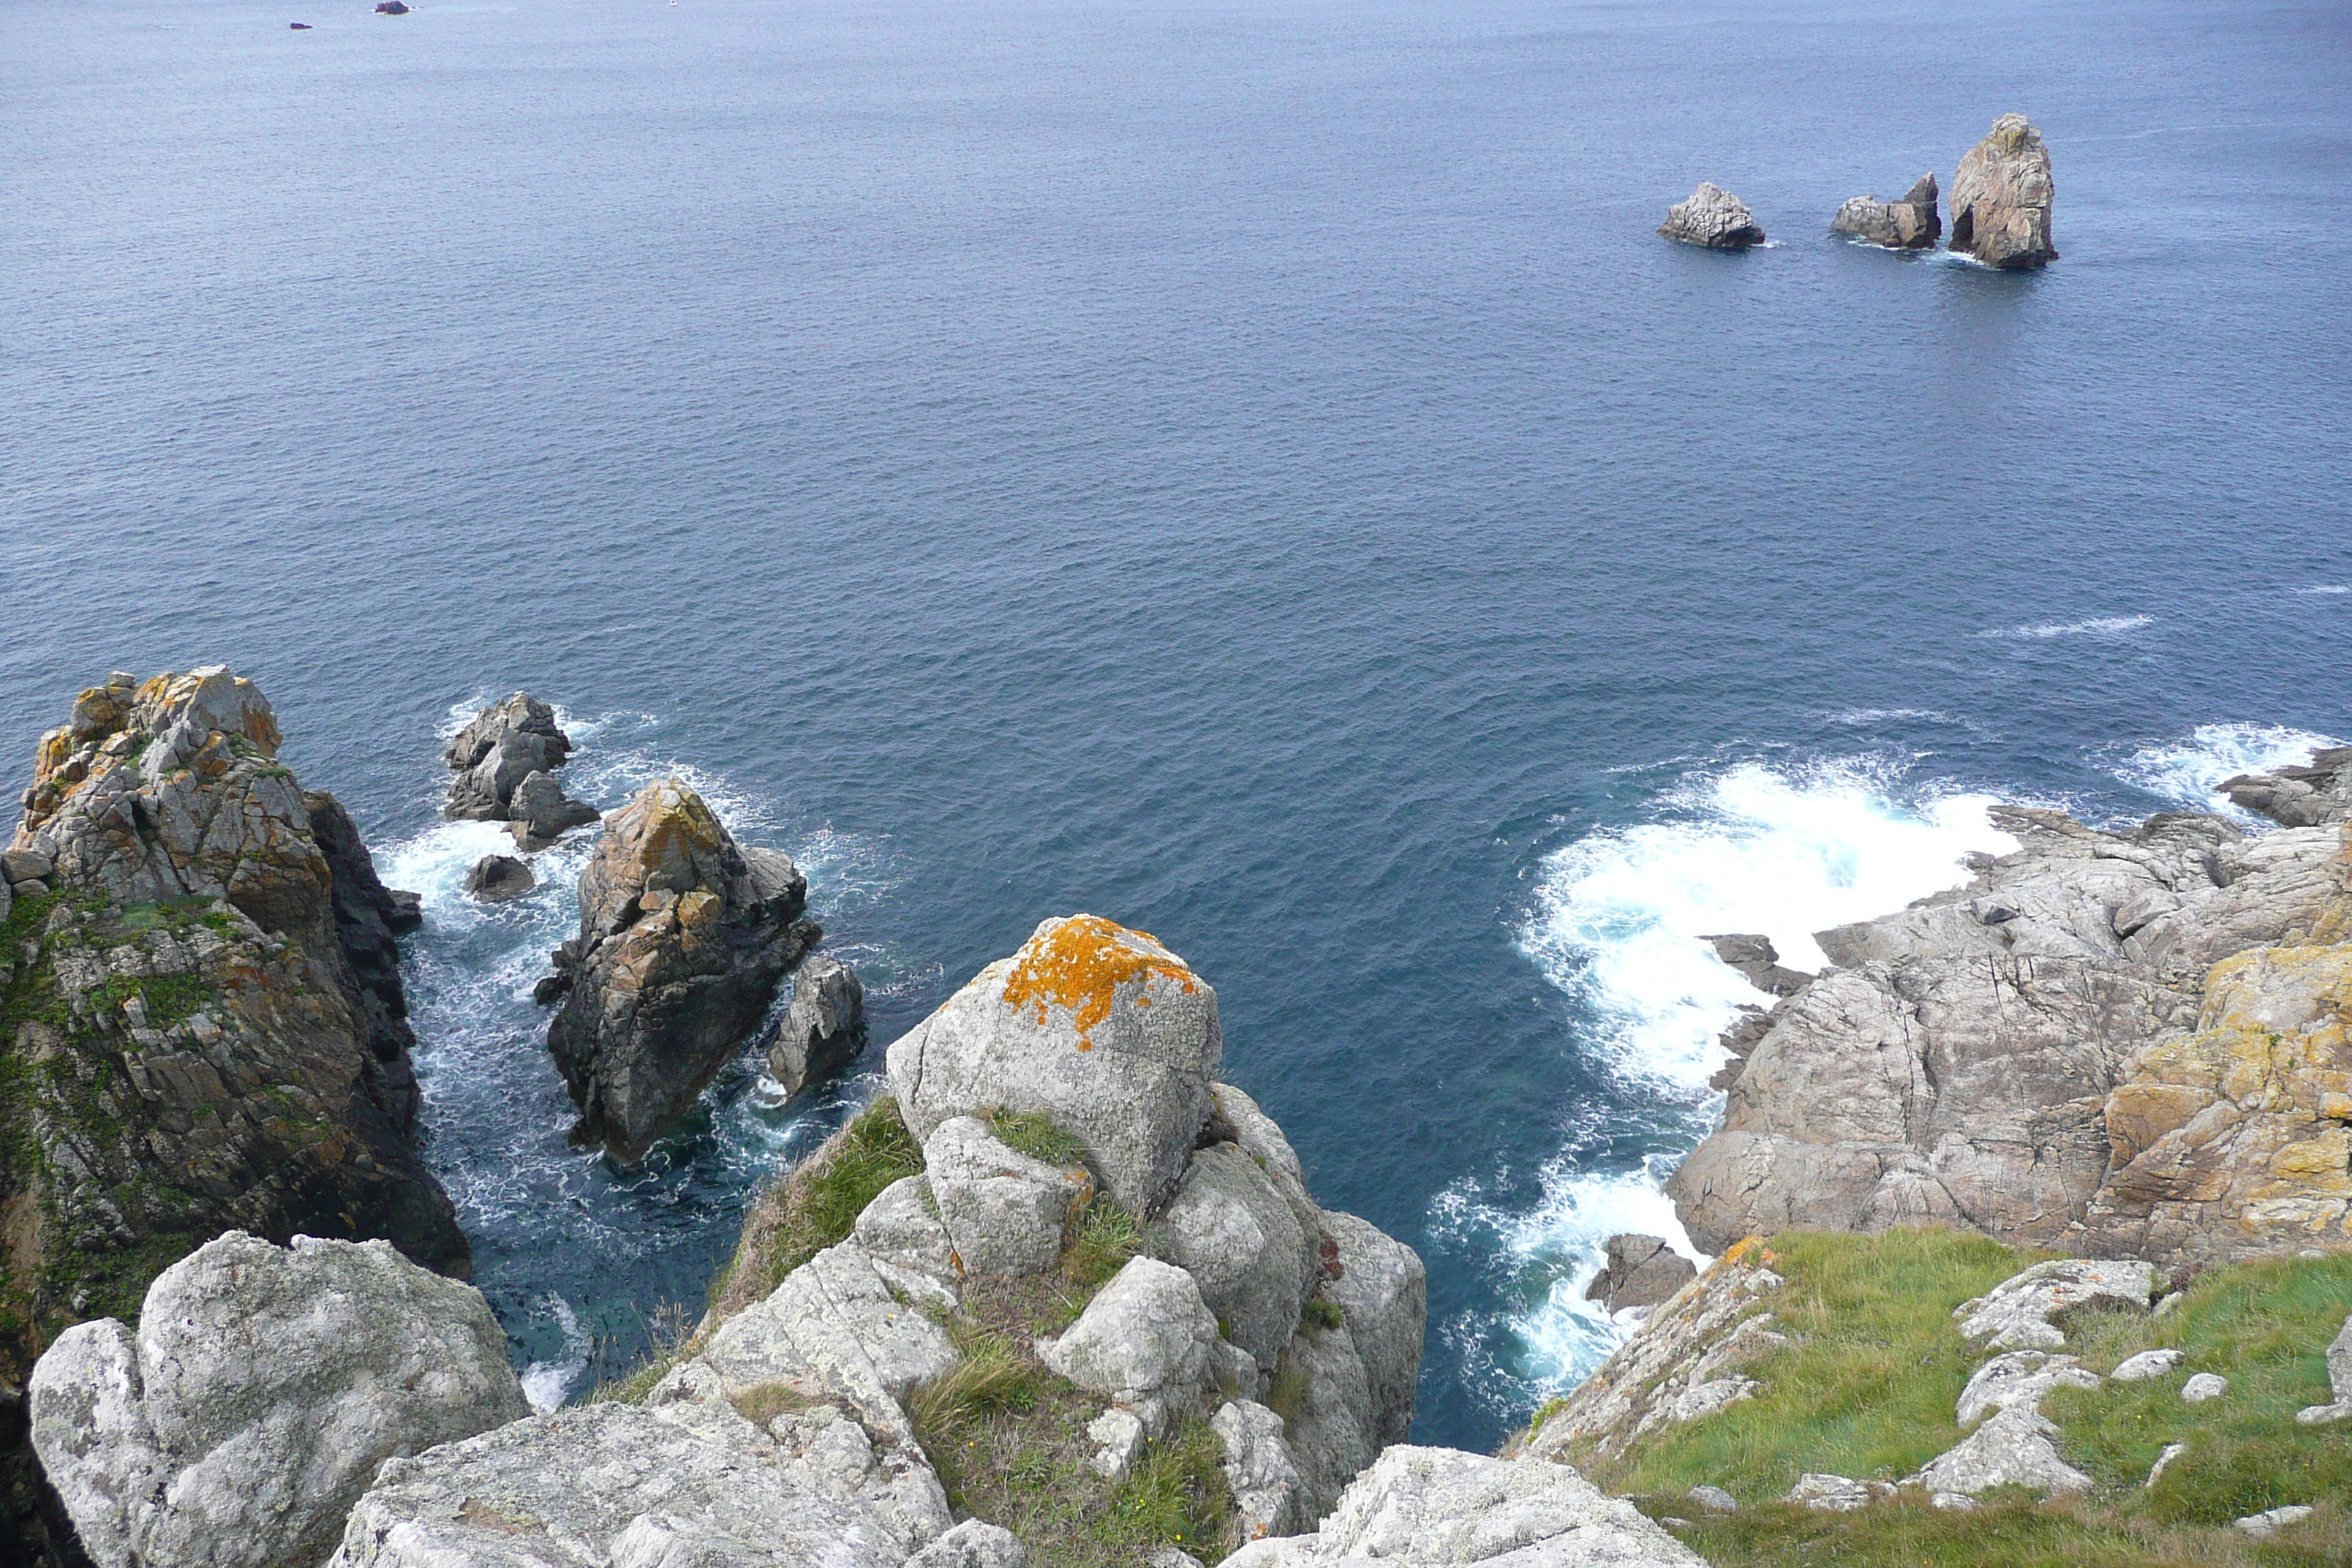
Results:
x,y
2002,196
1231,1229
212,1007
1003,1212
1381,1289
2312,796
1911,223
263,1387
501,746
1713,217
1099,1027
1145,1334
1641,1271
2119,1044
683,937
823,1029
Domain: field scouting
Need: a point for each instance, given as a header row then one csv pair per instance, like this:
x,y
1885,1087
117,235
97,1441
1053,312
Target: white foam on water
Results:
x,y
2187,772
546,1385
2098,626
1617,923
2328,589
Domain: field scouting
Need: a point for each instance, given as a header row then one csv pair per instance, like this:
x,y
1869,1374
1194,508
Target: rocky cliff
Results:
x,y
2119,1044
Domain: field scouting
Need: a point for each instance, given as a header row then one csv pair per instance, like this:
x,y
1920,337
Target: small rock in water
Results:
x,y
2205,1385
392,8
1641,1271
298,26
1714,219
497,877
1910,224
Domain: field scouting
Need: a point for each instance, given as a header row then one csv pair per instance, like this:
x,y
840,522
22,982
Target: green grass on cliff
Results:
x,y
1869,1391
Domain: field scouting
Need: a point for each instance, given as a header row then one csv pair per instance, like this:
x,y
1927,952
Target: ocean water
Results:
x,y
1246,469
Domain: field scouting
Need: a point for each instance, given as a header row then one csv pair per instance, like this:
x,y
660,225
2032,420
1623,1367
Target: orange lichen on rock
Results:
x,y
1081,964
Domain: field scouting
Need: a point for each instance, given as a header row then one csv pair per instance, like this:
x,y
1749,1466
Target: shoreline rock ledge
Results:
x,y
684,934
2002,196
1711,218
1911,223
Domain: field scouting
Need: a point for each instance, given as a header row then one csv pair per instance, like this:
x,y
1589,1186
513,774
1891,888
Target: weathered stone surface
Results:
x,y
605,1486
1267,1491
1333,1433
217,983
1097,1025
263,1387
1692,1344
2030,1309
1713,217
1640,1271
973,1544
2017,1381
495,878
2145,1365
1826,1493
1235,1114
499,748
2002,196
2262,1526
1758,962
824,1027
683,937
835,1329
1004,1212
2202,1386
1232,1230
2314,796
2069,1052
2011,1448
1419,1507
539,812
1382,1291
902,1227
1146,1332
1910,224
1715,1499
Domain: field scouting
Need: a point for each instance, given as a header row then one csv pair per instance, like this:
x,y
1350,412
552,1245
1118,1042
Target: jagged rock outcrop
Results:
x,y
236,1427
2002,196
2311,797
2116,1044
499,748
1097,1025
1419,1507
1003,1212
1713,217
824,1029
210,1029
1911,223
683,937
1639,1271
540,813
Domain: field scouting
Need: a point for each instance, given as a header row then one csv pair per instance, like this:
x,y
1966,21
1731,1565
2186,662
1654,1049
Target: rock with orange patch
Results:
x,y
1099,1027
683,936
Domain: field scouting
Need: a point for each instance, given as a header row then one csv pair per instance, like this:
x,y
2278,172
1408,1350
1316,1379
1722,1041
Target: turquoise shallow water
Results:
x,y
1248,470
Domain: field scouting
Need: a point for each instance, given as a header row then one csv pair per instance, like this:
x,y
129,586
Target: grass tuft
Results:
x,y
816,1206
1108,1237
1035,1134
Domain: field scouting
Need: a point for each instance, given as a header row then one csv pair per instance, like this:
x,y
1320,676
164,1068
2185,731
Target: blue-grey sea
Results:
x,y
1248,469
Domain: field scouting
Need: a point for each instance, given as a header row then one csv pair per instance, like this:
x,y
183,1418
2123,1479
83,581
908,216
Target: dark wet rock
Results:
x,y
551,989
683,936
541,812
501,746
392,8
299,27
497,877
2002,196
1712,218
1911,223
824,1029
1758,961
1641,1271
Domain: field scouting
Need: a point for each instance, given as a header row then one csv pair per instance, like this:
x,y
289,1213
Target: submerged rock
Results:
x,y
1911,223
1099,1027
683,936
1641,1271
1713,217
2002,196
495,878
248,1413
823,1029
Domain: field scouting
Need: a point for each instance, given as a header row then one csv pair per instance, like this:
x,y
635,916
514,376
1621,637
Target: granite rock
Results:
x,y
1382,1292
1713,217
498,749
1003,1212
1146,1333
1268,1491
2318,794
2013,1447
1232,1230
1911,223
823,1029
2002,196
1640,1271
2030,1309
974,1543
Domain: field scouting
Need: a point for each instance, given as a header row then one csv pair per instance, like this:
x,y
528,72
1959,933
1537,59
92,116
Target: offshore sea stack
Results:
x,y
684,934
1712,218
2002,196
209,1029
503,759
1910,224
2117,1044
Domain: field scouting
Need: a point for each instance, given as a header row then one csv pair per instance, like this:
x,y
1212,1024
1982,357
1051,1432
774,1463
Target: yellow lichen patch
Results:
x,y
1080,966
676,816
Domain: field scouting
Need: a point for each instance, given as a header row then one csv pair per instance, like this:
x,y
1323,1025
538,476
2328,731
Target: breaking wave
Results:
x,y
2099,626
2186,773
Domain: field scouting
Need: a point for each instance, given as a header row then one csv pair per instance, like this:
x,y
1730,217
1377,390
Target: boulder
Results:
x,y
540,813
2029,1311
1268,1491
2013,1447
974,1543
218,930
1003,1212
1232,1230
1640,1271
2002,197
2268,1524
1826,1493
263,1387
392,8
2016,1381
1097,1027
501,746
1419,1508
1145,1334
2147,1364
824,1027
1909,224
1713,217
902,1227
495,878
2202,1386
683,937
609,1485
1382,1292
2339,1377
2317,795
